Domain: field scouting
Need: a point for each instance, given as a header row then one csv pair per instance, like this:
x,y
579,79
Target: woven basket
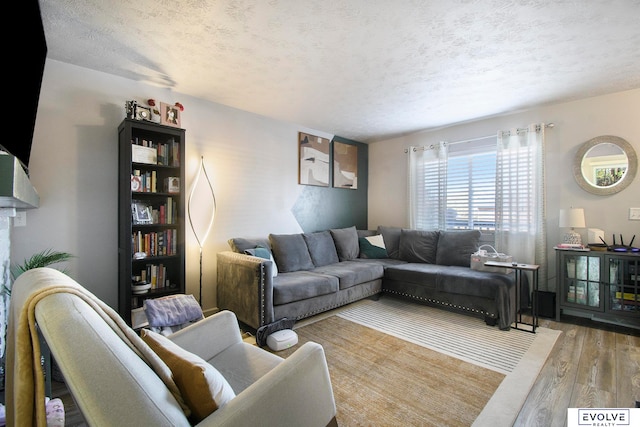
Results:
x,y
481,256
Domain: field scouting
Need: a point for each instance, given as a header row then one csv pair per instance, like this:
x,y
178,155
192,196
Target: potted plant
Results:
x,y
44,258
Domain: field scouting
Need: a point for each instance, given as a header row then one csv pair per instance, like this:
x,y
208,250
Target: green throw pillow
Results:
x,y
370,250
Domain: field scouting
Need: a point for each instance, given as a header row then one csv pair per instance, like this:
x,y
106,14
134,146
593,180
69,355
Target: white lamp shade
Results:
x,y
572,218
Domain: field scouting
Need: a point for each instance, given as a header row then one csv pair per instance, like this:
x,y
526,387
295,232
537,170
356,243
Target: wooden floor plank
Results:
x,y
551,394
597,366
628,373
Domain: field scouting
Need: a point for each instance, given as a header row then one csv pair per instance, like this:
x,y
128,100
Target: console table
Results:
x,y
601,285
519,269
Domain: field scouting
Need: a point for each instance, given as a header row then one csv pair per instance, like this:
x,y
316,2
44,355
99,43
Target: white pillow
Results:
x,y
376,240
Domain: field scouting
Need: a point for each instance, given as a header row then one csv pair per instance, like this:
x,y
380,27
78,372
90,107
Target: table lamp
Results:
x,y
572,218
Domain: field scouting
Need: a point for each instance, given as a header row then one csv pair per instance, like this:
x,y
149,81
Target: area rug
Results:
x,y
386,369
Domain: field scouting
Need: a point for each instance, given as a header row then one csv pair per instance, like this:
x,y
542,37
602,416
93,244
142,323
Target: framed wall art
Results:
x,y
313,160
169,115
345,165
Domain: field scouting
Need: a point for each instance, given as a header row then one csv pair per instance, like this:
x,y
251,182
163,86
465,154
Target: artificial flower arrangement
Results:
x,y
152,103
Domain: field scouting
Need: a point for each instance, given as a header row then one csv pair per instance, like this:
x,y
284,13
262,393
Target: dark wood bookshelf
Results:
x,y
129,269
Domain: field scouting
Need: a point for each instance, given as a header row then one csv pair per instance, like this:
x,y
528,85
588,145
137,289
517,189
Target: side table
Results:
x,y
519,269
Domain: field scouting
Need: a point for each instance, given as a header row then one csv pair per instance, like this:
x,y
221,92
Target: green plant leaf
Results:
x,y
44,258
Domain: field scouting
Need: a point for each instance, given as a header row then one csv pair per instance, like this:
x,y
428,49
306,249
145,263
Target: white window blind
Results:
x,y
471,186
454,186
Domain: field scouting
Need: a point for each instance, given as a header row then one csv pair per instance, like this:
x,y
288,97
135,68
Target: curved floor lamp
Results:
x,y
207,189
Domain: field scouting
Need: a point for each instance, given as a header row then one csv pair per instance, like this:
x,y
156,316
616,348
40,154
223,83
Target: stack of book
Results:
x,y
571,247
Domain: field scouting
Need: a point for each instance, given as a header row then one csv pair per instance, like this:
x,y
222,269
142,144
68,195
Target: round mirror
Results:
x,y
605,165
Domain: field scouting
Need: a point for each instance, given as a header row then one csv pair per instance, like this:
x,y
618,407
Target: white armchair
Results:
x,y
112,384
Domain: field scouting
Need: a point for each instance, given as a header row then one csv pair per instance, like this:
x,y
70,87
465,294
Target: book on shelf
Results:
x,y
628,296
142,154
571,246
581,294
154,182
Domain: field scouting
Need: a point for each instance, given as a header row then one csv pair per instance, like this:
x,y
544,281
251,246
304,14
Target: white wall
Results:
x,y
575,123
251,160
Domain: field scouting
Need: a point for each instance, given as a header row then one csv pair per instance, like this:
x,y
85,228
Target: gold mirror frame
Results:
x,y
632,166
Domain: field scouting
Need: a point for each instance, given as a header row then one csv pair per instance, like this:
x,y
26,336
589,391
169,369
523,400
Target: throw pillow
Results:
x,y
321,248
418,246
265,253
456,247
240,244
346,241
290,252
391,236
372,247
203,388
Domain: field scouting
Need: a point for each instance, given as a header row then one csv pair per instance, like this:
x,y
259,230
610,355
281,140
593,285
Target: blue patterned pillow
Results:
x,y
265,253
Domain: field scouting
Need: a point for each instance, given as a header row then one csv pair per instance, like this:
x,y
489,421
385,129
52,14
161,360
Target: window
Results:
x,y
471,187
494,184
456,186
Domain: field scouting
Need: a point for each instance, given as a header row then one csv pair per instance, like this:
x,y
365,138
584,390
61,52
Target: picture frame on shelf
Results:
x,y
143,113
136,183
169,115
172,184
314,160
141,213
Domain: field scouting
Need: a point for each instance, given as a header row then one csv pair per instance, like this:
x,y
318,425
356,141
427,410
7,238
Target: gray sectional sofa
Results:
x,y
296,276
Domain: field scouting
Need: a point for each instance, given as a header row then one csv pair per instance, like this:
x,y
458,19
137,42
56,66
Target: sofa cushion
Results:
x,y
240,244
456,247
290,252
418,246
351,273
262,252
422,274
203,388
391,236
372,247
321,248
300,285
346,241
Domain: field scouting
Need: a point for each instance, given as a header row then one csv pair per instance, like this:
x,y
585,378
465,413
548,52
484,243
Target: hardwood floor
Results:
x,y
593,365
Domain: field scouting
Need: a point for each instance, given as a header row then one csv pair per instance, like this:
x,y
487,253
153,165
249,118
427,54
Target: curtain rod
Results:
x,y
548,125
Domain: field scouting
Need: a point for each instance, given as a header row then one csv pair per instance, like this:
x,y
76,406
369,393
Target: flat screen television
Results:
x,y
30,76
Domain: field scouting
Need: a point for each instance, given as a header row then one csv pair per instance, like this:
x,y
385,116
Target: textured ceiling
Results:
x,y
362,69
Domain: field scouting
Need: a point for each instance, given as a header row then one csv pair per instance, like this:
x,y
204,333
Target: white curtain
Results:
x,y
427,186
520,197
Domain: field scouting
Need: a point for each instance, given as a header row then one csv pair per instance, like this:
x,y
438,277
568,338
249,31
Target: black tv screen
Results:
x,y
30,75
